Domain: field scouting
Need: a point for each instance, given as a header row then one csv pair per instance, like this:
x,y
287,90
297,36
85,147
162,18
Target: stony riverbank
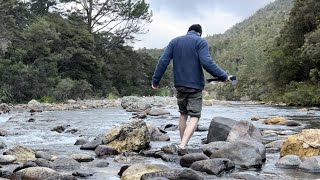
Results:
x,y
231,148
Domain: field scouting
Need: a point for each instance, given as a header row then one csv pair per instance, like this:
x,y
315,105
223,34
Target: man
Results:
x,y
190,53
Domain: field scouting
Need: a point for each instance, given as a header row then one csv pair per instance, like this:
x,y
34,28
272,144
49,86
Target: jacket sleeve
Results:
x,y
163,64
208,63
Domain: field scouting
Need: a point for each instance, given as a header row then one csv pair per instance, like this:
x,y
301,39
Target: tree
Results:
x,y
117,20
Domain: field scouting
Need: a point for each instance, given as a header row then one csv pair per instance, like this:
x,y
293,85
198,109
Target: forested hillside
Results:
x,y
274,53
243,51
54,50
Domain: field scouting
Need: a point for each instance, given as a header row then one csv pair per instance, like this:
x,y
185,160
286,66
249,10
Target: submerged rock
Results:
x,y
276,120
157,135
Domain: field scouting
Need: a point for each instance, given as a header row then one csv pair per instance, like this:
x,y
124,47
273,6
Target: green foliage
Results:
x,y
72,89
164,91
300,93
47,99
5,93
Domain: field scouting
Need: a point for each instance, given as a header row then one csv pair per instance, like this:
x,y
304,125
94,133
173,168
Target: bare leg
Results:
x,y
189,130
182,124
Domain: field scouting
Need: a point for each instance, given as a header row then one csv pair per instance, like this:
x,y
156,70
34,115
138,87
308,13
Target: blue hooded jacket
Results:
x,y
190,53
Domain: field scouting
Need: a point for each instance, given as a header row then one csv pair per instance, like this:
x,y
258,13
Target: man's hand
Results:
x,y
155,87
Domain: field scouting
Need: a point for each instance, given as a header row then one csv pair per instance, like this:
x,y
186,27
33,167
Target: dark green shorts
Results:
x,y
190,103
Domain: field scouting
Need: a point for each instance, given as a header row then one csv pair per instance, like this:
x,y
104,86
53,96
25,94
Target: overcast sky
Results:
x,y
172,18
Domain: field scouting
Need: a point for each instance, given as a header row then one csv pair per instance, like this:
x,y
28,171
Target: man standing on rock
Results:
x,y
190,53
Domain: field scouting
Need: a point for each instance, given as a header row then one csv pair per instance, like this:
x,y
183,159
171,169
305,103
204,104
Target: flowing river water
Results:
x,y
92,122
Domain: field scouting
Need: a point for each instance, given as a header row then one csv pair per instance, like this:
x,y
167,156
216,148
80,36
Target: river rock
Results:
x,y
26,165
188,159
81,142
61,177
154,111
246,176
274,146
219,129
213,166
82,157
4,108
290,123
276,120
156,134
21,153
311,164
244,130
43,162
289,161
92,145
44,155
208,149
33,103
2,145
104,150
100,163
176,174
135,104
170,127
7,159
63,163
34,173
135,171
3,132
241,153
132,136
304,144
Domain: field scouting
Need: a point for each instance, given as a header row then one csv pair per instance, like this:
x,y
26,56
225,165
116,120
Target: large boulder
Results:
x,y
21,153
135,171
175,174
132,136
33,103
219,129
34,173
304,144
244,130
241,153
135,104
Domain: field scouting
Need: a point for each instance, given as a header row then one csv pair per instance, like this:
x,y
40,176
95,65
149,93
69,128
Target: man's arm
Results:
x,y
208,63
162,65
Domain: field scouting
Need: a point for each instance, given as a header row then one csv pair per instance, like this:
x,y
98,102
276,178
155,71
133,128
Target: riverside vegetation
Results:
x,y
51,53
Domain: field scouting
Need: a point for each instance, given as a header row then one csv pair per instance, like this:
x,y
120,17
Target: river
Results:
x,y
92,122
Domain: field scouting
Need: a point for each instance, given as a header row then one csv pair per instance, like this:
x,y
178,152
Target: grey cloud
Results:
x,y
187,8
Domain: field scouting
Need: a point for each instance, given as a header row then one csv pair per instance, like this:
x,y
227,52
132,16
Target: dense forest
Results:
x,y
53,50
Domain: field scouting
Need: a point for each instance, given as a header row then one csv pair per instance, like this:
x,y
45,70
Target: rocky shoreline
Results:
x,y
233,149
